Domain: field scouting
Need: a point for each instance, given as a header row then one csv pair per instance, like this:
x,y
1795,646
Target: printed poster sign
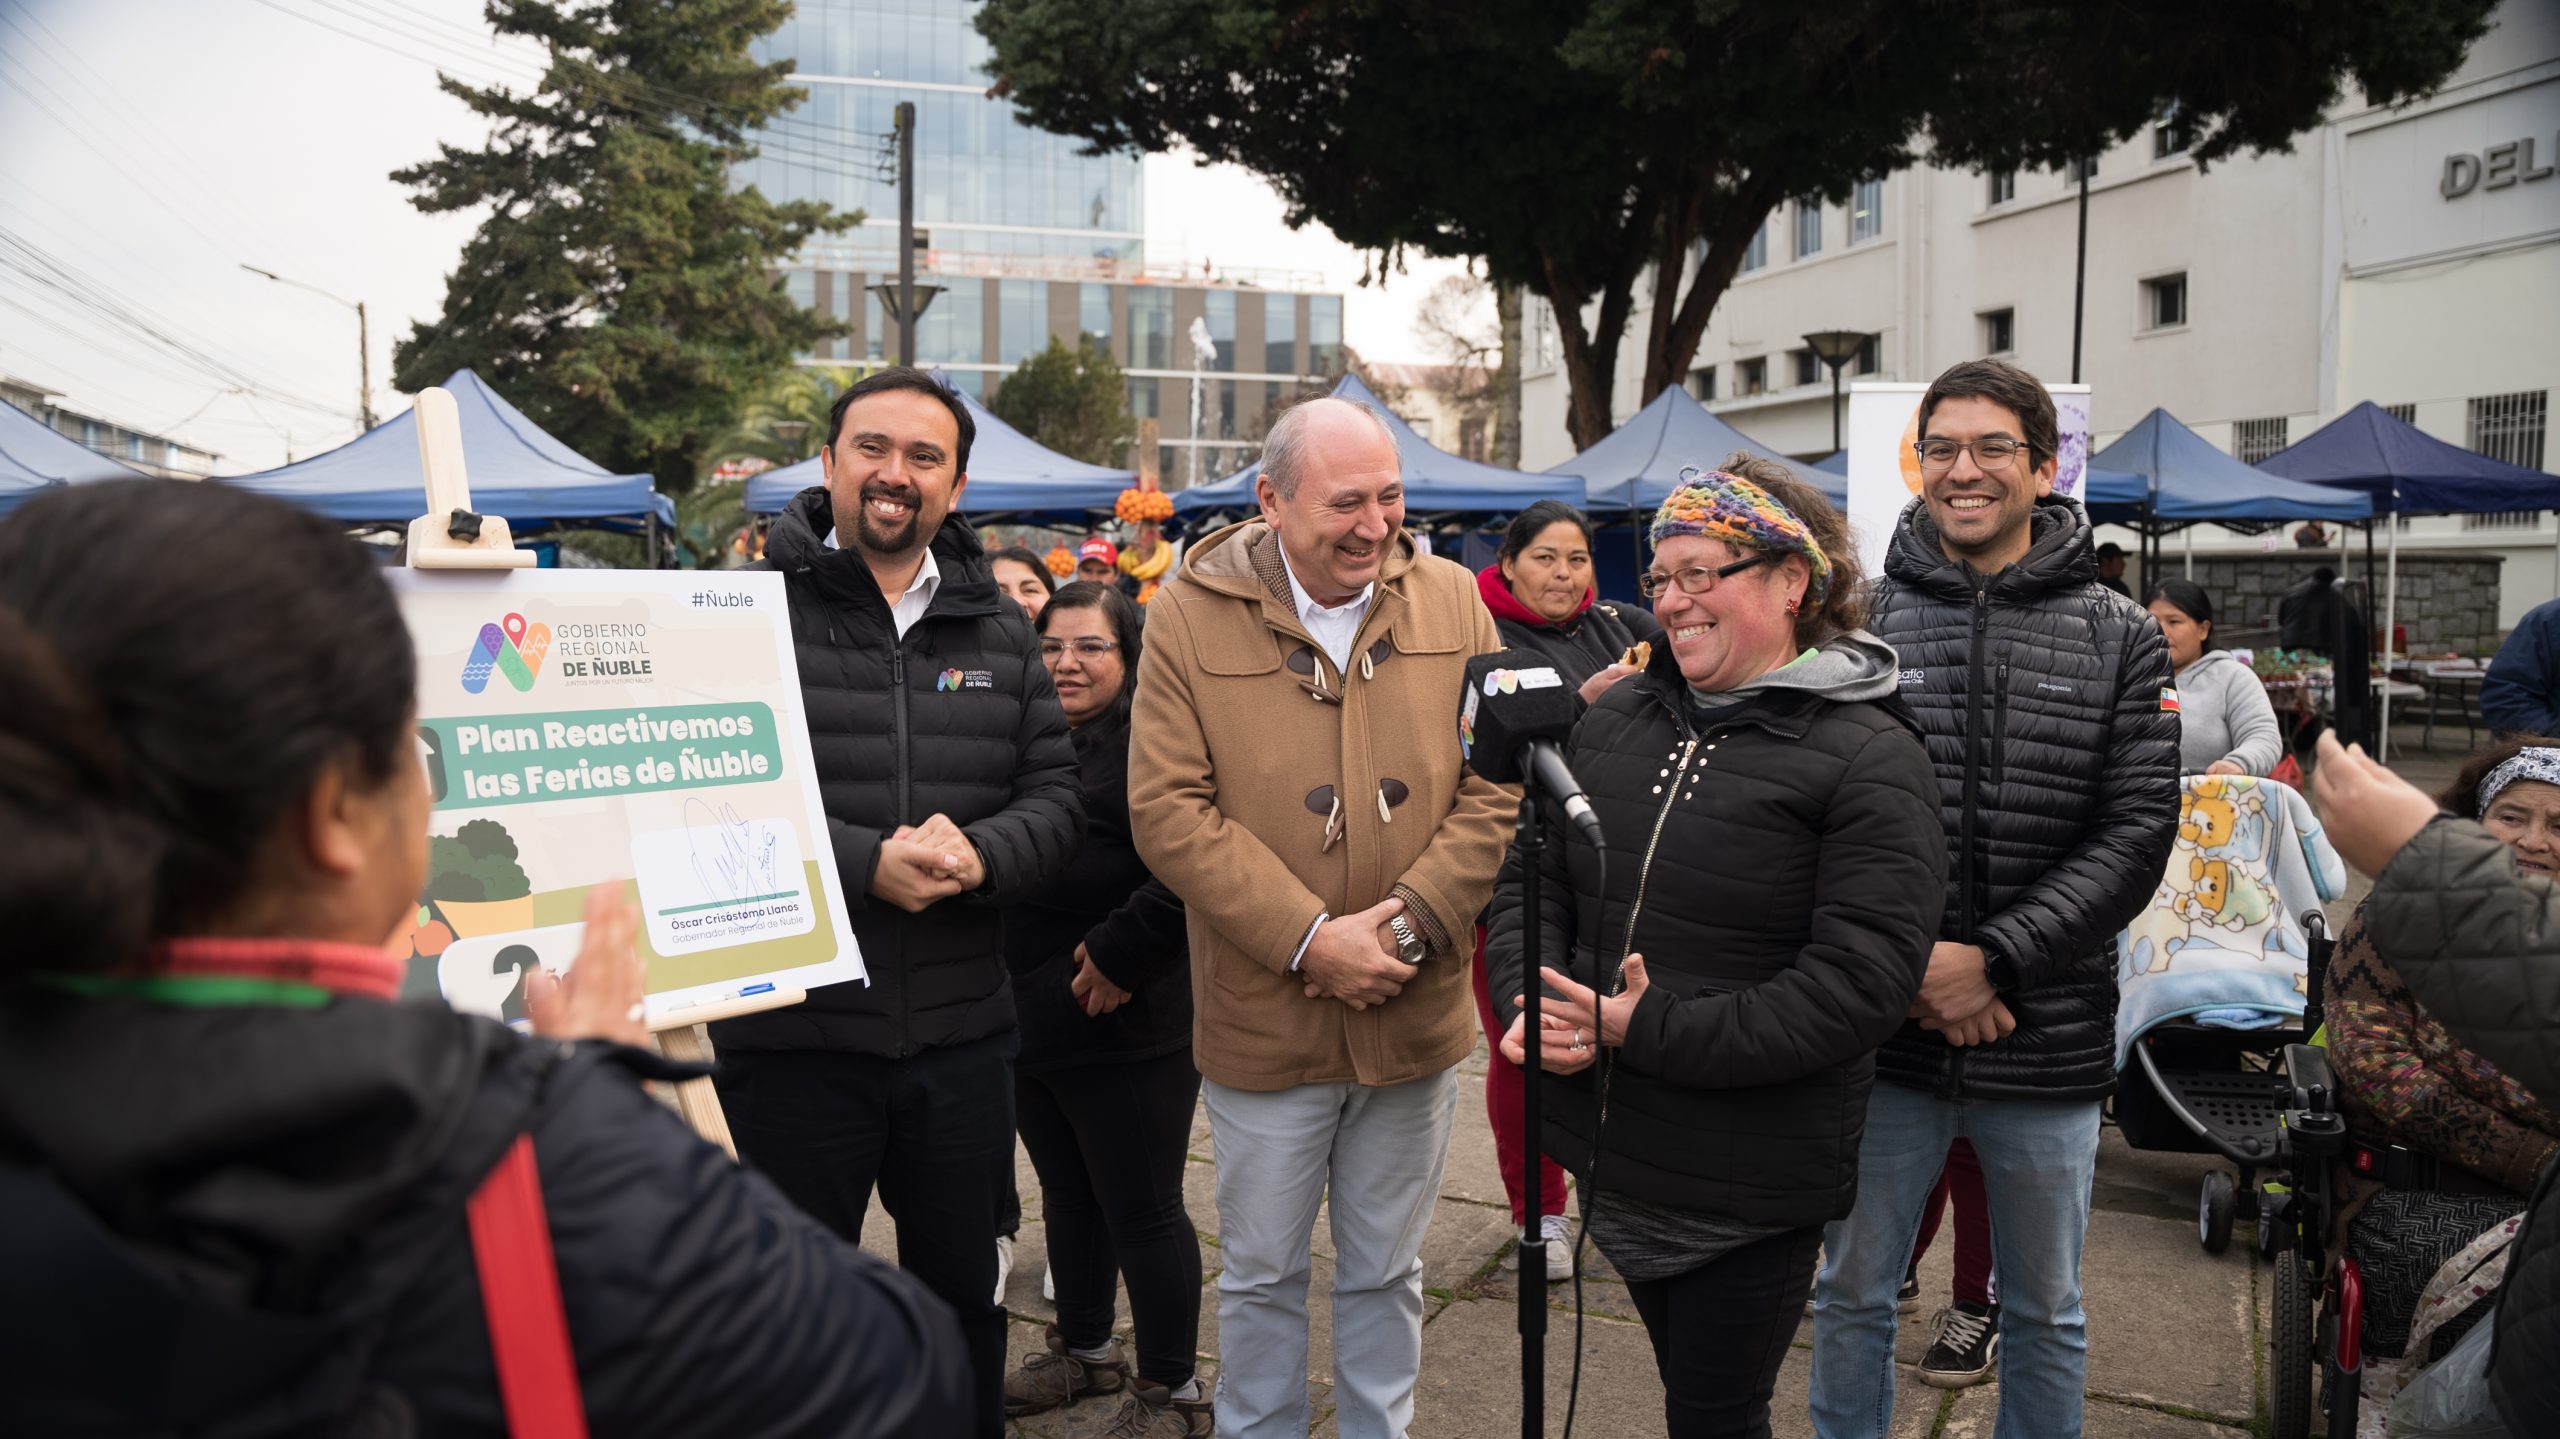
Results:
x,y
1884,469
628,728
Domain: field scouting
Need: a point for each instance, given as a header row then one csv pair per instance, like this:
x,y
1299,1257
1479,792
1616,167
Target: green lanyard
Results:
x,y
195,991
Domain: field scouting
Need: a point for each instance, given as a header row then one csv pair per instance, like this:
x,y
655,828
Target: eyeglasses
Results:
x,y
1939,456
1695,579
1086,647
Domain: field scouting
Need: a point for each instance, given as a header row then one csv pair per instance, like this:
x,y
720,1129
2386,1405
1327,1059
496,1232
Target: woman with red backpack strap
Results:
x,y
249,1193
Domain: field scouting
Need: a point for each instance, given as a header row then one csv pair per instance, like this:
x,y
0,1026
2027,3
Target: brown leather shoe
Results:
x,y
1056,1378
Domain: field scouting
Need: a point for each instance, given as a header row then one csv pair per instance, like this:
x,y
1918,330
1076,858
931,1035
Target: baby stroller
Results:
x,y
2217,978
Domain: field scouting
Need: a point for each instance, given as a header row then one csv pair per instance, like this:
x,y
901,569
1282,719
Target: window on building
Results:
x,y
1803,368
2075,171
1755,256
1702,383
1220,307
2509,427
2405,414
953,328
2164,302
1093,313
1279,334
1143,399
1022,320
968,382
1150,329
1808,226
1999,331
1866,211
2254,440
91,436
1324,335
1751,377
133,447
2171,134
1870,356
879,333
2003,187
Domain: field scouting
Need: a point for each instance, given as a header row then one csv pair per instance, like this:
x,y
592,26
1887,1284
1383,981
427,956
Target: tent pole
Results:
x,y
2191,552
2390,629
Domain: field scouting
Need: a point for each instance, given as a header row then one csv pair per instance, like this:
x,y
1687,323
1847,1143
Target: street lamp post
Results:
x,y
1836,348
364,341
791,433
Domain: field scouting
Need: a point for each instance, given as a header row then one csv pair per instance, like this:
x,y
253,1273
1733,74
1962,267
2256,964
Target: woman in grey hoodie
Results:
x,y
2225,725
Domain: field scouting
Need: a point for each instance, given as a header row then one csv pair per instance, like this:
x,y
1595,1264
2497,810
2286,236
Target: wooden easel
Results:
x,y
449,536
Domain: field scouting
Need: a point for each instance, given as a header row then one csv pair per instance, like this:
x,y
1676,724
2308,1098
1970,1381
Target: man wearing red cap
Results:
x,y
1098,560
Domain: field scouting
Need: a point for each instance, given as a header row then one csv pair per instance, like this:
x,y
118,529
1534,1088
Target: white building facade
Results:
x,y
2410,257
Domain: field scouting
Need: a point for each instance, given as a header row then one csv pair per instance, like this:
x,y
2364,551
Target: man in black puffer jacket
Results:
x,y
2047,706
950,789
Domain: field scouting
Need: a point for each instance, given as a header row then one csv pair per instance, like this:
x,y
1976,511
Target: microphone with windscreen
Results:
x,y
1513,724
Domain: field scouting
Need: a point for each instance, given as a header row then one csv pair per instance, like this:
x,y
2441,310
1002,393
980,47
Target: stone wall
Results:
x,y
2447,601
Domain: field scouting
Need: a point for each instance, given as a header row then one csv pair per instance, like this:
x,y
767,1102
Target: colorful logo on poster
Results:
x,y
511,648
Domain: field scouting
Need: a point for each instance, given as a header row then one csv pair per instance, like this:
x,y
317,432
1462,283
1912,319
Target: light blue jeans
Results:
x,y
2038,1160
1381,1151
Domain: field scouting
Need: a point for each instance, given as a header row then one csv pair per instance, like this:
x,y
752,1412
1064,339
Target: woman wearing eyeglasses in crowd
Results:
x,y
1772,888
1543,602
1104,1088
244,1186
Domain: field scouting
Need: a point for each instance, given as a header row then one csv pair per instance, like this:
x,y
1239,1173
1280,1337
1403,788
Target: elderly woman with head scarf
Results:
x,y
1721,976
2458,1141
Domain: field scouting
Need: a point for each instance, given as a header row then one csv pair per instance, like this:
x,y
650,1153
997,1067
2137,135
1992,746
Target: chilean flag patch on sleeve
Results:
x,y
2168,699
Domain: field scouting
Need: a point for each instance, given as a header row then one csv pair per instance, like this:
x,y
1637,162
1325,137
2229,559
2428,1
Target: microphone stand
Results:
x,y
1533,1234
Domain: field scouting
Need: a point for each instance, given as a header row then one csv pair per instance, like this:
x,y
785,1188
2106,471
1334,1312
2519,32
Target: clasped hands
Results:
x,y
923,864
1957,998
1353,958
1574,1021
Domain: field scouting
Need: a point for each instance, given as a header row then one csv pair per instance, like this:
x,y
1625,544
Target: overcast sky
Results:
x,y
149,148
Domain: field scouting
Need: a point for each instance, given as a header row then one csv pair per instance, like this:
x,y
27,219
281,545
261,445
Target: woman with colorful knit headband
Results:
x,y
1718,988
2404,1079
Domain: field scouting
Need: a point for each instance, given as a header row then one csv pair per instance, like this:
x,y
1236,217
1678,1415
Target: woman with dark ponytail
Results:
x,y
254,1194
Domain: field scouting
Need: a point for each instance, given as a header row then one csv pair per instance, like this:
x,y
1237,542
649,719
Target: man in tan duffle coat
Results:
x,y
1294,775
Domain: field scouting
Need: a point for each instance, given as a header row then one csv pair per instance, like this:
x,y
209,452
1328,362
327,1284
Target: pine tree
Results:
x,y
620,292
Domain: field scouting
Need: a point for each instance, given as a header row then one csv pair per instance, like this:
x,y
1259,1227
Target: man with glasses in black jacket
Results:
x,y
2047,705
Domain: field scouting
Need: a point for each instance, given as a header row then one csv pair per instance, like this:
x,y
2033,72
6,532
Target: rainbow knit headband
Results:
x,y
1730,508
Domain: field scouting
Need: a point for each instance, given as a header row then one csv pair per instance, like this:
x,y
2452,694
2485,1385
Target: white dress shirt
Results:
x,y
1334,629
910,607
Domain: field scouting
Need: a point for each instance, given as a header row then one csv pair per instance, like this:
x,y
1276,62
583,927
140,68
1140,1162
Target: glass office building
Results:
x,y
1027,238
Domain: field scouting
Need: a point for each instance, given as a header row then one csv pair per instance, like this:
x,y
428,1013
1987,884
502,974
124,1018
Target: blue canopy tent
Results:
x,y
517,470
2400,469
1635,465
35,457
1009,473
1435,481
2187,480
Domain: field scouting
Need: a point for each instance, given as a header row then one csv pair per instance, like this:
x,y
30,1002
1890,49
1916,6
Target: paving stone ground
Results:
x,y
2176,1336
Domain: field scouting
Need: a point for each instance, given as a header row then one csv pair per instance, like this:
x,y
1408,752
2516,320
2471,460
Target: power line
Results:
x,y
31,261
761,139
172,177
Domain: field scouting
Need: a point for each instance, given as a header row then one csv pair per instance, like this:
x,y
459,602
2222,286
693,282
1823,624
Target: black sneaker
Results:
x,y
1968,1344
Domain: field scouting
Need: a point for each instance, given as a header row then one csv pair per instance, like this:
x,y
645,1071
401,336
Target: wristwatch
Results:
x,y
1409,945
